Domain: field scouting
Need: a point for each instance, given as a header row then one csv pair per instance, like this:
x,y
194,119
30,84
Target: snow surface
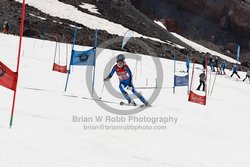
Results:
x,y
44,135
160,24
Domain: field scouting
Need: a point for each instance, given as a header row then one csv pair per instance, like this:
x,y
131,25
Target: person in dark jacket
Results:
x,y
247,75
204,62
235,70
211,62
223,67
6,27
202,81
188,64
216,65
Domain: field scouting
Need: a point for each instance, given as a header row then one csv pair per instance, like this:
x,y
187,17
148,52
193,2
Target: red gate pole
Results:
x,y
18,61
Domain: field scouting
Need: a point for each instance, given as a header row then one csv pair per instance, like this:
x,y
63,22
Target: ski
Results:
x,y
143,106
126,104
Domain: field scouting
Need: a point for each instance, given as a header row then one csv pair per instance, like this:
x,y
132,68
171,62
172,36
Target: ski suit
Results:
x,y
188,64
223,66
125,77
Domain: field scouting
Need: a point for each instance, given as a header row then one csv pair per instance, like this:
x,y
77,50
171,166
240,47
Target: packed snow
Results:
x,y
44,133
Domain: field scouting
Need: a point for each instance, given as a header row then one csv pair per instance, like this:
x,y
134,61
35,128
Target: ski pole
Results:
x,y
209,82
102,90
213,85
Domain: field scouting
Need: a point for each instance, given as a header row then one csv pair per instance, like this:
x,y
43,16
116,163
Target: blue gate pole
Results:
x,y
174,72
95,46
74,40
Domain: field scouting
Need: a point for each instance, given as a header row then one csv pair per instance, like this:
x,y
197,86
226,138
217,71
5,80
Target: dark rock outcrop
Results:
x,y
212,23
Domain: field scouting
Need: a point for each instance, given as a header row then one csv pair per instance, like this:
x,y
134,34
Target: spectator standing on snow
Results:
x,y
235,70
202,81
204,62
223,67
211,62
247,75
216,65
188,64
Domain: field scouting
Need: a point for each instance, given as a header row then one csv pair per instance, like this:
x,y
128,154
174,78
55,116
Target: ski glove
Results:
x,y
129,86
106,79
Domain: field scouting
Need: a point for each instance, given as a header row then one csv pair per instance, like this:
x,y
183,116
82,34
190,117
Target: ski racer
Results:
x,y
125,77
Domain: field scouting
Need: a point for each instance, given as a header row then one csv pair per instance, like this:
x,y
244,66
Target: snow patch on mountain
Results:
x,y
65,11
160,24
90,7
197,46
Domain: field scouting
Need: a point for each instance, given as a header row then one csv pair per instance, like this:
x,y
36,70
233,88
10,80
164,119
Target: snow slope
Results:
x,y
44,134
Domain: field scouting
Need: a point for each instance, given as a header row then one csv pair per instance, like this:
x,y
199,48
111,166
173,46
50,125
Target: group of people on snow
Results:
x,y
235,70
216,65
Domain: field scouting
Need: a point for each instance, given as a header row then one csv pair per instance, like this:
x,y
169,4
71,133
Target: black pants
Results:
x,y
246,78
223,71
202,83
235,72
